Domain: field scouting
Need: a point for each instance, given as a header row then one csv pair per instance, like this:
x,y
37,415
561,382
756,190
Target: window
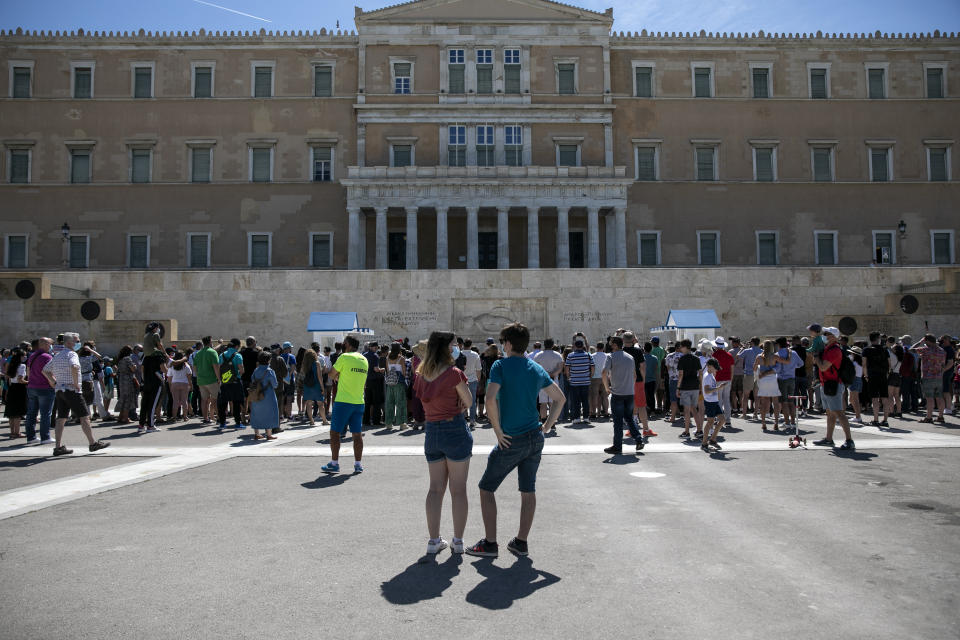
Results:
x,y
881,163
201,164
262,79
819,74
19,163
202,79
82,81
884,247
401,155
261,164
706,163
322,164
938,163
16,252
511,71
79,166
702,75
648,248
567,78
825,247
323,81
761,77
198,248
79,251
648,162
143,79
258,250
941,246
485,146
765,163
643,79
935,79
457,145
321,250
456,82
484,71
568,155
708,247
768,250
821,160
140,162
20,81
513,145
138,251
402,77
877,80
397,250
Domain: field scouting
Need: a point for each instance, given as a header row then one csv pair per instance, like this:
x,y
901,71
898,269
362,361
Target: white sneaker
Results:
x,y
141,430
357,467
434,548
456,546
34,440
47,441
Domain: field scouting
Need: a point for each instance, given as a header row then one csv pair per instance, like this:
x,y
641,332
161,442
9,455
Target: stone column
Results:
x,y
473,256
593,237
363,240
353,248
563,238
621,217
533,238
412,246
382,262
442,239
503,238
610,233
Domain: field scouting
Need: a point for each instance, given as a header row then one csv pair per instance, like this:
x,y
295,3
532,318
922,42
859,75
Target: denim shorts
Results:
x,y
834,403
688,397
448,440
523,455
673,391
857,385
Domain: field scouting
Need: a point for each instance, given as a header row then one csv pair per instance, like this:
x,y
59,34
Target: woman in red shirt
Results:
x,y
448,443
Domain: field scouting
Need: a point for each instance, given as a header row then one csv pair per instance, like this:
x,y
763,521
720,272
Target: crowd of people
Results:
x,y
446,385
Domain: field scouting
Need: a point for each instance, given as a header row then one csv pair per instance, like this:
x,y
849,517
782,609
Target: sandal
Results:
x,y
270,437
927,420
941,420
258,437
684,435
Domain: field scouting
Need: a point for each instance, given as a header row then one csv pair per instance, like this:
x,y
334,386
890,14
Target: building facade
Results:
x,y
448,134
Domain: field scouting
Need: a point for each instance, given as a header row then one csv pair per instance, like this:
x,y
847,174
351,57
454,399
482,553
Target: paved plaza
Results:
x,y
190,533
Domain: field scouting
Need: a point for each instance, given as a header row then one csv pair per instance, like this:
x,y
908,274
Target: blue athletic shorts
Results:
x,y
346,415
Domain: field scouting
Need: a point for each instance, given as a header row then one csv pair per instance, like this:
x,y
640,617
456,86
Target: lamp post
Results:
x,y
65,230
901,234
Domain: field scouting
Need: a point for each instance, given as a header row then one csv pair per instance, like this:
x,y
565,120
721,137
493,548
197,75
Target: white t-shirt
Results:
x,y
180,376
599,362
709,381
857,368
473,367
551,361
21,373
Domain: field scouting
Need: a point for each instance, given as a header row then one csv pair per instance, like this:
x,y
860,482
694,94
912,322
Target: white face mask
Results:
x,y
455,352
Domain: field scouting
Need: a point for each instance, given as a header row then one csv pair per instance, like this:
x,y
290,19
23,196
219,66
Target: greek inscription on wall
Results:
x,y
408,318
587,316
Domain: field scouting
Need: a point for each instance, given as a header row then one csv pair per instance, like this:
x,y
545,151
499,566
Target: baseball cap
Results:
x,y
815,327
274,346
655,339
578,343
831,330
906,339
490,341
287,345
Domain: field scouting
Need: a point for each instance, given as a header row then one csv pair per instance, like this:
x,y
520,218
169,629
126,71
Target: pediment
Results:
x,y
428,11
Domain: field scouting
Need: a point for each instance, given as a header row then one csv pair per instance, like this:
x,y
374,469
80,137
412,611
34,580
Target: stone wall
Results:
x,y
274,304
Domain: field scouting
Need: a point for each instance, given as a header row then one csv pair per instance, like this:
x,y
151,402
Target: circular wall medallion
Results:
x,y
909,304
25,289
90,310
847,326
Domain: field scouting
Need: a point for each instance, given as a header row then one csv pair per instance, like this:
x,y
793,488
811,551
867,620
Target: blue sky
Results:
x,y
633,15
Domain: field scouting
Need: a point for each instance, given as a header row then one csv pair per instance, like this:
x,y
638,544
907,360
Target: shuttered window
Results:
x,y
822,159
818,84
826,248
142,82
646,163
484,71
766,248
938,165
322,159
82,82
322,255
566,79
457,146
942,248
140,170
263,82
567,155
138,252
401,75
455,68
201,164
705,163
648,249
876,80
644,77
402,155
199,251
934,83
21,82
80,166
260,159
513,145
701,81
323,81
761,83
259,251
203,82
78,252
19,166
880,171
17,252
883,247
485,146
708,249
511,71
764,161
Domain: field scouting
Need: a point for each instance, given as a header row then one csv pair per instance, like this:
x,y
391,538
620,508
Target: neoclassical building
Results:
x,y
456,134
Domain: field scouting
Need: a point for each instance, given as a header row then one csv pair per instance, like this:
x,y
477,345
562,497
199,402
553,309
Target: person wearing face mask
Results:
x,y
375,391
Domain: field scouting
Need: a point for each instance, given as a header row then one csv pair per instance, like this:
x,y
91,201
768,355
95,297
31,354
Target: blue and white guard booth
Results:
x,y
688,324
327,327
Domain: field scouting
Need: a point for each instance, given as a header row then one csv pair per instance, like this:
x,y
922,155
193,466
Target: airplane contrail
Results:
x,y
210,4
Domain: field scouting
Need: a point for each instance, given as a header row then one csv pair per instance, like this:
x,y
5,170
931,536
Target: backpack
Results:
x,y
230,375
848,373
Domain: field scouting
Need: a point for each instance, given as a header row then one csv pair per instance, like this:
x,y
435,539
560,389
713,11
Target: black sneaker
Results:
x,y
884,423
614,451
640,444
99,444
518,546
848,446
484,549
824,443
62,451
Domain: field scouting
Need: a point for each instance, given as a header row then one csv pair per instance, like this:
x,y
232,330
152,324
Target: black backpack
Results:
x,y
848,373
228,371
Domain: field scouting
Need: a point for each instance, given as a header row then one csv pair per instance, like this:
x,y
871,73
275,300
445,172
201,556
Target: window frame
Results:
x,y
514,146
943,66
776,246
193,146
953,240
761,65
189,251
310,239
251,145
705,144
250,235
86,256
11,148
816,247
333,155
73,148
143,64
131,149
831,146
130,236
403,142
828,88
716,240
693,78
876,145
83,64
314,64
393,61
465,145
637,64
492,143
639,234
194,65
26,250
575,61
893,245
518,64
646,143
773,145
947,146
568,142
885,67
12,65
493,63
272,64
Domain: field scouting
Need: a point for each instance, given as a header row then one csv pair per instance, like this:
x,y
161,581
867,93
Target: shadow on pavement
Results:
x,y
24,462
425,579
504,586
327,480
859,456
579,426
623,458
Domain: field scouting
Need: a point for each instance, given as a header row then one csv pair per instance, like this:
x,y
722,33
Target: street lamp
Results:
x,y
902,233
902,228
65,230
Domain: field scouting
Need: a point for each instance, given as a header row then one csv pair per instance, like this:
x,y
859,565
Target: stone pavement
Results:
x,y
196,534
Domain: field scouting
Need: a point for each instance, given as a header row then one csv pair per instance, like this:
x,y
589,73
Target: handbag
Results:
x,y
256,390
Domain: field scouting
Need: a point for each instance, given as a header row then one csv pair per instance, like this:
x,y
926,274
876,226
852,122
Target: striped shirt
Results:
x,y
579,363
62,367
